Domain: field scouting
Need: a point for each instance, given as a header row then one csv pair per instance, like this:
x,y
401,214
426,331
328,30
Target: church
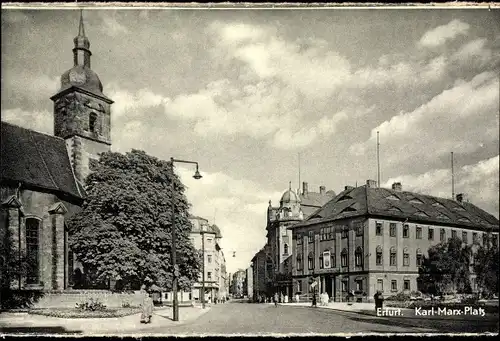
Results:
x,y
42,176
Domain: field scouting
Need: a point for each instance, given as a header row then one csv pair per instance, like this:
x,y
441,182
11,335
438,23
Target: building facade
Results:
x,y
369,238
273,264
249,283
206,238
42,176
238,283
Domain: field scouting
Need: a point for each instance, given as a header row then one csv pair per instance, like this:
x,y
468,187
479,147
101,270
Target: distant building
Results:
x,y
275,263
249,282
238,283
369,238
208,236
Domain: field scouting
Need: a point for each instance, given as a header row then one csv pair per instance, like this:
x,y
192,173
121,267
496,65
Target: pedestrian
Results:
x,y
147,308
297,297
314,300
282,298
286,298
379,299
276,298
327,298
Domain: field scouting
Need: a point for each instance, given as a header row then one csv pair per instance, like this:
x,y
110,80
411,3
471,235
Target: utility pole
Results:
x,y
452,178
378,160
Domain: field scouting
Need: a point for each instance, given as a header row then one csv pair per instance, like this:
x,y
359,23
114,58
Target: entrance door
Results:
x,y
329,286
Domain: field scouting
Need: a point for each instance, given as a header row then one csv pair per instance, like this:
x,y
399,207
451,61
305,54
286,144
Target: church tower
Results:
x,y
82,113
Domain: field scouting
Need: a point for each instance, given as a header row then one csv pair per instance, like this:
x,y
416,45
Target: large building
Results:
x,y
42,176
369,238
272,265
206,238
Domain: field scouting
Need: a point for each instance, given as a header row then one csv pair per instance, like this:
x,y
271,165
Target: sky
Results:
x,y
245,92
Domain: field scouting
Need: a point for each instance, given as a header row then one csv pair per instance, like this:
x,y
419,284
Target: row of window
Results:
x,y
394,285
323,263
393,257
358,285
358,258
328,233
430,233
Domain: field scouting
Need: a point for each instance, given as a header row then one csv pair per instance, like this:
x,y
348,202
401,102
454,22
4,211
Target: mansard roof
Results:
x,y
36,160
402,205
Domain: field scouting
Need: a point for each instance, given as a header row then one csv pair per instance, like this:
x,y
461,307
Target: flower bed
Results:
x,y
74,313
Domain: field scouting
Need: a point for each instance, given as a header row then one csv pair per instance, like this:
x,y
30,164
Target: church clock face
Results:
x,y
77,77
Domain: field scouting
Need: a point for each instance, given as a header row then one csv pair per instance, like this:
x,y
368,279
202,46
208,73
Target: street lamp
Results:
x,y
197,176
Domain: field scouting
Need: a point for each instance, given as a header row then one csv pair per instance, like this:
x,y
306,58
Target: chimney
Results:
x,y
460,197
397,186
322,190
348,188
304,188
371,184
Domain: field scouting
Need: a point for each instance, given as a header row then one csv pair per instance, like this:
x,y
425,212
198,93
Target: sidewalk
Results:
x,y
116,325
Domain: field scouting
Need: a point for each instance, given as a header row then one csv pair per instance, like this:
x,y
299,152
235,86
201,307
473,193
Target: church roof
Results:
x,y
415,207
37,160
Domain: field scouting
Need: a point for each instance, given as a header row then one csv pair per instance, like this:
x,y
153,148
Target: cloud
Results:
x,y
128,103
110,24
41,121
455,119
326,126
478,181
239,207
475,52
27,88
307,66
439,35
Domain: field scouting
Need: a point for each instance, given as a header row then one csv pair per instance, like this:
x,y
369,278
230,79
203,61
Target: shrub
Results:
x,y
126,304
399,297
19,299
91,305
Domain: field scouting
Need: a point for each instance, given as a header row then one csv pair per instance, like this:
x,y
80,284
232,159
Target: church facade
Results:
x,y
42,177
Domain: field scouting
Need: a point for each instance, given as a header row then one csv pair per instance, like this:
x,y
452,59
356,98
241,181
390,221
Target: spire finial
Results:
x,y
81,29
290,185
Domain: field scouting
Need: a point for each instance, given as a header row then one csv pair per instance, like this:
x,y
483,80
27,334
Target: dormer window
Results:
x,y
93,122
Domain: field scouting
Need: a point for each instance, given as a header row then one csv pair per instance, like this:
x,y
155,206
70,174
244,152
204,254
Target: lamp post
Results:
x,y
197,175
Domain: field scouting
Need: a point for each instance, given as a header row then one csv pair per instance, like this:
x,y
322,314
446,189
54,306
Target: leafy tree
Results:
x,y
446,268
486,267
123,231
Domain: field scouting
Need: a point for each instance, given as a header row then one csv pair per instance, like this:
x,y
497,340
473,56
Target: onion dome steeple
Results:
x,y
80,75
81,51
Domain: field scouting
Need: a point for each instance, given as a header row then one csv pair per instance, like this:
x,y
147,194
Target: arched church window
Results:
x,y
93,122
32,250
